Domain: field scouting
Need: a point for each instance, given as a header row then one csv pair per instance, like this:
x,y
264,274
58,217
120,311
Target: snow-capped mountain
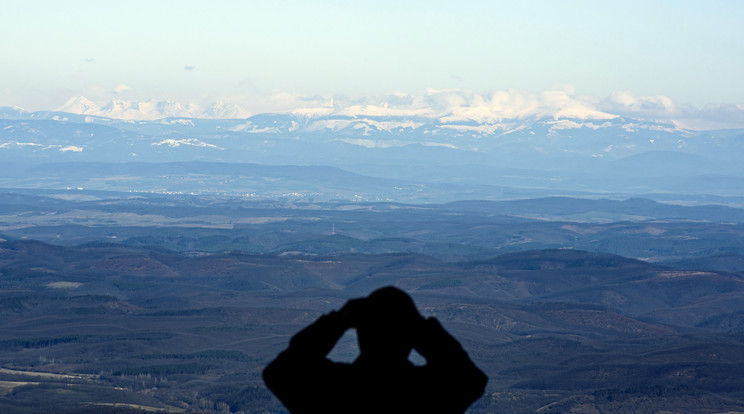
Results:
x,y
598,153
80,105
120,109
151,109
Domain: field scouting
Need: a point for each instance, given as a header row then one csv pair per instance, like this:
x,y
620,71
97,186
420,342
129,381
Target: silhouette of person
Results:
x,y
381,379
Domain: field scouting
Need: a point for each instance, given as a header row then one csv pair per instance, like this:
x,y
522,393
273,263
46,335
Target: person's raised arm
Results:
x,y
304,358
458,381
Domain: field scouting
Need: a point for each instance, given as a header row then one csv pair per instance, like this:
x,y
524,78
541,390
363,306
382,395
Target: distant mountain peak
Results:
x,y
80,105
140,110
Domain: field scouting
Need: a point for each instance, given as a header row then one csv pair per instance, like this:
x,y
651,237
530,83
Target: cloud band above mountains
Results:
x,y
459,105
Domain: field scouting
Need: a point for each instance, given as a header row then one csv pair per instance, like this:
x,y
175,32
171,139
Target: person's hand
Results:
x,y
420,329
353,310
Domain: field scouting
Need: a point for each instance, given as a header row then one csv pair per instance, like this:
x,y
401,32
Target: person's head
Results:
x,y
386,328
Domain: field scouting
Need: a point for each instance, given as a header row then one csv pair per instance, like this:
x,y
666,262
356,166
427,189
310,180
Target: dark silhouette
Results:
x,y
381,379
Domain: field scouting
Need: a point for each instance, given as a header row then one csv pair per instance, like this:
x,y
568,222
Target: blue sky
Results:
x,y
691,52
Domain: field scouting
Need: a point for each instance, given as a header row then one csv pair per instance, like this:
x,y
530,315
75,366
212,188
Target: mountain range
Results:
x,y
601,156
150,109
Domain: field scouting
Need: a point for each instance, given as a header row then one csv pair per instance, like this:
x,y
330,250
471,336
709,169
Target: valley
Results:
x,y
153,303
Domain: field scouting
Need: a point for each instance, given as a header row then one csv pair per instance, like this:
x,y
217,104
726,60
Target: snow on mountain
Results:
x,y
148,110
449,106
34,147
152,109
80,105
582,153
143,110
169,129
507,138
175,143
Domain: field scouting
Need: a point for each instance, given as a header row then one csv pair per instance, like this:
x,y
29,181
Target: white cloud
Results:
x,y
454,106
71,148
718,116
512,104
629,103
121,88
284,102
661,108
